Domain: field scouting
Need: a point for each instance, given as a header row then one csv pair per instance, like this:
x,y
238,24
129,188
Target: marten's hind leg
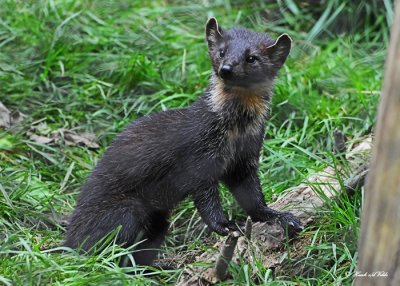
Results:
x,y
155,230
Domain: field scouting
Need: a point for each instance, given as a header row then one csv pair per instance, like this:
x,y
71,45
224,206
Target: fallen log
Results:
x,y
266,242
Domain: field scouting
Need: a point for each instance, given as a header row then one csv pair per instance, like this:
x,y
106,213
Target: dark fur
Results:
x,y
162,158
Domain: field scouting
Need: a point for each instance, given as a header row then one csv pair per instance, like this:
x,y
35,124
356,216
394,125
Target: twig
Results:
x,y
225,256
248,227
357,180
340,141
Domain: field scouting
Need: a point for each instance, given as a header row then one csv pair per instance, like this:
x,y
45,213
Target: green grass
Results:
x,y
98,65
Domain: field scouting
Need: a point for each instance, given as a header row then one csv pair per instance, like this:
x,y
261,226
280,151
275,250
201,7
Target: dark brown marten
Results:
x,y
162,158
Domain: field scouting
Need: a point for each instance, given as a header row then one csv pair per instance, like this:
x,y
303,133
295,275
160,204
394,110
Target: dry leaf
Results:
x,y
71,138
4,116
8,118
42,134
39,138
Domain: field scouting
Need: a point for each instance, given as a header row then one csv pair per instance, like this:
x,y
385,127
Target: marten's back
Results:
x,y
160,158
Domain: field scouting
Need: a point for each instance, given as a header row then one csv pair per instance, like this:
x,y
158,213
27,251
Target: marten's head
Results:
x,y
245,59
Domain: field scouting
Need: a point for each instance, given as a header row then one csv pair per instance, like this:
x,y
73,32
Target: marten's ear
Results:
x,y
213,33
279,51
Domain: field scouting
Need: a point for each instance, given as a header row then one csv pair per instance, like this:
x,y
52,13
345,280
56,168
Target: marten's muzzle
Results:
x,y
225,71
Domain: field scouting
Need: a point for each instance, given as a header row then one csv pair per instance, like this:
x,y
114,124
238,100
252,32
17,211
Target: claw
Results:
x,y
224,228
293,223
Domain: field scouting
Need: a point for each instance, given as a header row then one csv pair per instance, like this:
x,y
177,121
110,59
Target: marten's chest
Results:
x,y
241,146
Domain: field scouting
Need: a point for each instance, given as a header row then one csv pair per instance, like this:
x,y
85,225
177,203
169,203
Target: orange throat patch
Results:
x,y
253,100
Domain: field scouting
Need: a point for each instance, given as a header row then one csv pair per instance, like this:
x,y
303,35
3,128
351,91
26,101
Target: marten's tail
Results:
x,y
90,226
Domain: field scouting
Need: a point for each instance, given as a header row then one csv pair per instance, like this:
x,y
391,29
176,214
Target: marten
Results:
x,y
162,158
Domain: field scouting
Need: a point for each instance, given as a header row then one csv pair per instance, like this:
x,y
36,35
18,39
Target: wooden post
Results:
x,y
379,246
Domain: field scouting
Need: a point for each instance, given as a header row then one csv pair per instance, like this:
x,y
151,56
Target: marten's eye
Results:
x,y
221,53
251,59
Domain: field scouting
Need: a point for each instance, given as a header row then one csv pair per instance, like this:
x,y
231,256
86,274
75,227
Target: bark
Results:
x,y
379,246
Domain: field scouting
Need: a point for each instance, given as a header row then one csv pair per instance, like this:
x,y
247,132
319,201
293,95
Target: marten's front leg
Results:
x,y
209,206
246,188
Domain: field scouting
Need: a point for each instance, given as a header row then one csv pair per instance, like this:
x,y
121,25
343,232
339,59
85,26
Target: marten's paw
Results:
x,y
288,221
224,228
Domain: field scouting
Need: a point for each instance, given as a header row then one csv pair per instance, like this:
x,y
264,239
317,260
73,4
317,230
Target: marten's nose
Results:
x,y
225,71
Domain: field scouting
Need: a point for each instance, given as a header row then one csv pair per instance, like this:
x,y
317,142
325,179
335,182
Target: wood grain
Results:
x,y
379,246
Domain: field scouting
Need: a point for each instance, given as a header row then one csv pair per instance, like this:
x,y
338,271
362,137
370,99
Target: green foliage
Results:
x,y
98,65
